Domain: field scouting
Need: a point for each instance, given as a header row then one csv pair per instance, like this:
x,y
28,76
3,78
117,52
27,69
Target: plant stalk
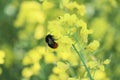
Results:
x,y
83,61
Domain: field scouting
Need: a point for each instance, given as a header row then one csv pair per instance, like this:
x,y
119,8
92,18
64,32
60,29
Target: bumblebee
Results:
x,y
51,41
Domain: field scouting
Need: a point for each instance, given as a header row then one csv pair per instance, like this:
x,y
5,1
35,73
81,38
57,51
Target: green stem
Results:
x,y
82,59
72,72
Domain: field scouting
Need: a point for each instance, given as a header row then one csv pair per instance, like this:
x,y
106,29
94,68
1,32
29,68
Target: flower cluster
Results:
x,y
68,29
2,56
32,61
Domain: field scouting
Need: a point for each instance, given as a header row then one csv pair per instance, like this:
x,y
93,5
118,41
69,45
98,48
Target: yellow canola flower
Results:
x,y
63,31
93,46
68,23
50,58
39,32
81,10
84,31
2,56
36,68
81,23
65,2
73,5
69,20
28,5
66,40
55,29
107,61
73,59
27,72
38,17
57,70
32,57
62,65
84,35
63,76
60,68
27,60
64,55
30,12
53,77
41,50
100,75
92,64
46,5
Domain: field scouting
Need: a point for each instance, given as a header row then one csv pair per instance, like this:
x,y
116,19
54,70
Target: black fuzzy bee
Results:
x,y
51,41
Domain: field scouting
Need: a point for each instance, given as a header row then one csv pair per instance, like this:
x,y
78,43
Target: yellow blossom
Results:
x,y
47,5
36,68
100,75
38,17
62,65
93,45
84,31
66,40
27,60
53,77
50,58
81,23
63,76
64,55
41,50
56,70
28,5
55,28
32,57
65,3
2,56
81,10
92,64
71,5
60,68
35,13
39,32
27,72
107,61
73,59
